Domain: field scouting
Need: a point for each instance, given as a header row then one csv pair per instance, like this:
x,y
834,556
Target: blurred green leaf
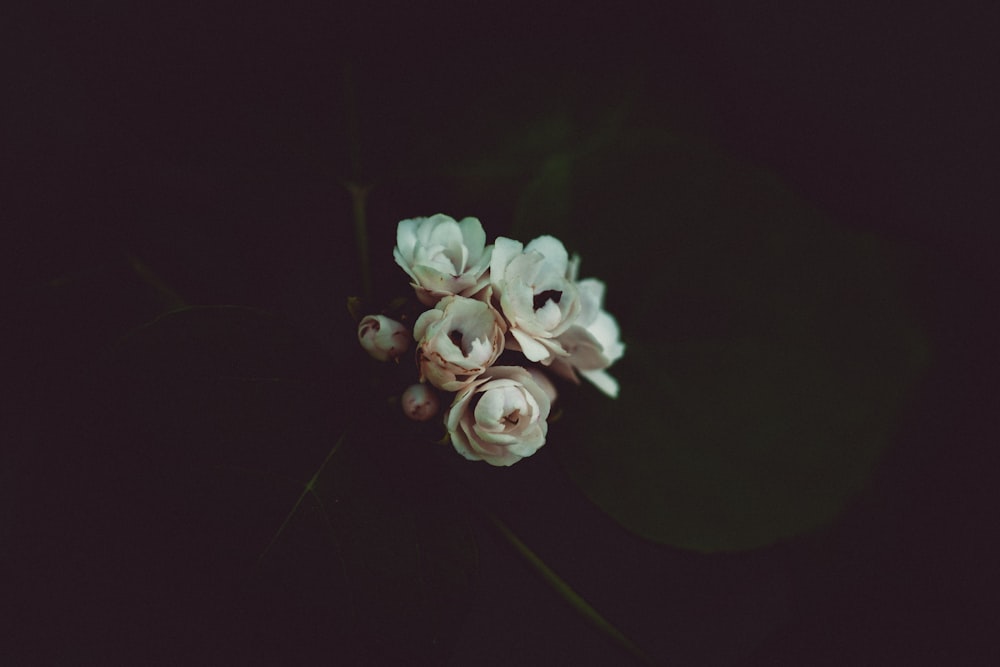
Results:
x,y
527,169
769,349
545,202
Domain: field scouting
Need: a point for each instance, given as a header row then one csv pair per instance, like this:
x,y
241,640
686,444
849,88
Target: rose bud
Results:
x,y
382,337
420,402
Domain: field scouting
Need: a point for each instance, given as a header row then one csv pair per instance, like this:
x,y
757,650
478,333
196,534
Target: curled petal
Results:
x,y
442,256
457,340
500,418
535,295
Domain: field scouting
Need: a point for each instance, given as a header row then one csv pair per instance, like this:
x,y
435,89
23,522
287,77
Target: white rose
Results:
x,y
500,418
382,337
536,294
593,343
457,340
442,256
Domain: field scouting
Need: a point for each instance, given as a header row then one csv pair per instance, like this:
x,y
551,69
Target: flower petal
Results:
x,y
602,381
530,347
553,250
473,237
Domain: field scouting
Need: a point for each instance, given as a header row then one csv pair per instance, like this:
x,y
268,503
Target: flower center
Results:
x,y
456,337
511,419
542,298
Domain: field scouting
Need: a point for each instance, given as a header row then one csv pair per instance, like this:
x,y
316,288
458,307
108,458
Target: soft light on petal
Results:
x,y
506,420
602,381
457,340
553,250
504,251
406,237
442,256
474,237
530,347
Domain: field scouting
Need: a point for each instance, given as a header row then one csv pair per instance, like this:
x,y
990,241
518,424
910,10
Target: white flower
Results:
x,y
593,343
382,337
457,340
536,294
442,256
500,418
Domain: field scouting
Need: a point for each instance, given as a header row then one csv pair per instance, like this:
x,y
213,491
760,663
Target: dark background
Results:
x,y
211,143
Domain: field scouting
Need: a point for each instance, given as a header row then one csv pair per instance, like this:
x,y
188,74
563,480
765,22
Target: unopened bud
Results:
x,y
420,402
382,337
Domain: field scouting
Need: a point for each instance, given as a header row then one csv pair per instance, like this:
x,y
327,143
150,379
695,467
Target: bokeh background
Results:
x,y
161,155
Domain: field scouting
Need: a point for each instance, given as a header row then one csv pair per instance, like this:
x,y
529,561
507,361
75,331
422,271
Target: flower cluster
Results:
x,y
482,300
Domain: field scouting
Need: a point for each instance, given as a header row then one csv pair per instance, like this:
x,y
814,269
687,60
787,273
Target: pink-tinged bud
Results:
x,y
383,338
420,402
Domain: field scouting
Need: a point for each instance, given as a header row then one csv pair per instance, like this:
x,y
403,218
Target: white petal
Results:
x,y
426,318
432,278
530,442
530,347
490,410
553,250
504,251
480,352
573,268
474,237
605,329
602,381
406,237
591,297
404,263
549,315
585,352
480,264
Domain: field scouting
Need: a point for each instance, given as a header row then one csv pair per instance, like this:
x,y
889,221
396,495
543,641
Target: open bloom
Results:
x,y
383,337
457,340
442,256
500,417
593,343
536,294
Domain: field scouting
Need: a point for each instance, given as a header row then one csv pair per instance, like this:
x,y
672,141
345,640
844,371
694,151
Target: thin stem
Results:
x,y
170,298
359,193
309,487
359,196
568,594
353,126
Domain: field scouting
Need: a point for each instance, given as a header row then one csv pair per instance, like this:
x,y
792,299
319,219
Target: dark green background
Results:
x,y
211,143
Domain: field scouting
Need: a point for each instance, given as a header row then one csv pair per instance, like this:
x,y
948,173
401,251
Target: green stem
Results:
x,y
353,126
358,192
171,299
568,594
309,488
359,195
